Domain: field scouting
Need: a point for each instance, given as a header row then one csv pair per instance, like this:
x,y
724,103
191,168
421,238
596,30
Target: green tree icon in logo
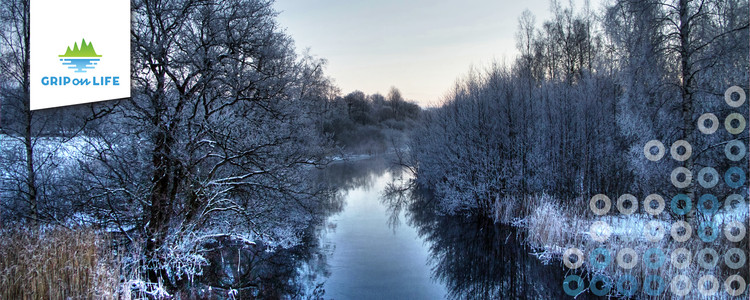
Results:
x,y
80,59
86,50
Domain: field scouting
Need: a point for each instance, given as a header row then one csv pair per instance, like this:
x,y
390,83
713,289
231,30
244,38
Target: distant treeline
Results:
x,y
370,124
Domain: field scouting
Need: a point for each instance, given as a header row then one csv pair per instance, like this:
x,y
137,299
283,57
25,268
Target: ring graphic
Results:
x,y
702,123
675,258
741,258
579,258
675,204
681,184
579,285
708,237
702,285
700,257
735,291
680,285
685,145
631,288
728,96
647,204
740,231
606,285
659,150
654,231
735,198
648,283
653,263
708,210
593,204
728,177
702,177
740,123
627,265
627,198
741,151
674,231
594,258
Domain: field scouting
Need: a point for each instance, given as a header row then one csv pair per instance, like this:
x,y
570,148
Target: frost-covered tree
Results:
x,y
33,143
676,59
217,138
14,66
571,116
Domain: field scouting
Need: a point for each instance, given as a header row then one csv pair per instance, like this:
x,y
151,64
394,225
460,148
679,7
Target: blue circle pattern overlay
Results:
x,y
702,232
676,201
593,259
656,263
631,289
728,177
606,285
708,205
649,281
579,285
714,204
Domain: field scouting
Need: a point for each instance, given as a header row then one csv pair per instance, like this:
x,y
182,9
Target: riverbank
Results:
x,y
552,229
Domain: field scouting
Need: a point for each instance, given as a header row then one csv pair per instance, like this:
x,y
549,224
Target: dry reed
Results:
x,y
56,263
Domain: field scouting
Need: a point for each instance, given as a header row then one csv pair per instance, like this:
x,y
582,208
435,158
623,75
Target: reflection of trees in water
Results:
x,y
299,272
472,256
346,176
258,271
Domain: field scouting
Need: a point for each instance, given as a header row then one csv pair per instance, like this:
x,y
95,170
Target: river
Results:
x,y
387,243
372,260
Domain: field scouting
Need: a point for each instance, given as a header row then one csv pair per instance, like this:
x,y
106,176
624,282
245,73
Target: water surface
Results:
x,y
370,259
388,242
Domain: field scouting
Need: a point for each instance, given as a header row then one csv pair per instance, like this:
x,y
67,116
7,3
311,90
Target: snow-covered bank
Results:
x,y
551,229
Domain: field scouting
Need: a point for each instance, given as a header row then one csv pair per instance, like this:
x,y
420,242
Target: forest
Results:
x,y
622,104
228,124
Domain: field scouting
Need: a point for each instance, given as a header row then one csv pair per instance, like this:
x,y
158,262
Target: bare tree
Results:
x,y
217,138
14,66
682,49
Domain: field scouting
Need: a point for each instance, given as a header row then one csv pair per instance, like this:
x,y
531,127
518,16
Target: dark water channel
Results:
x,y
389,243
377,239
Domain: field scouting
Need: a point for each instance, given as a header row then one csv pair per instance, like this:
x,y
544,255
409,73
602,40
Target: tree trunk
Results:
x,y
30,171
164,188
686,91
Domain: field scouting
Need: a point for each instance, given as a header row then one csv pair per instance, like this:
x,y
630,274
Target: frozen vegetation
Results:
x,y
202,184
530,143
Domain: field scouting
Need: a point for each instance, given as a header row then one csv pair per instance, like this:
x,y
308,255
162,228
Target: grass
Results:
x,y
56,263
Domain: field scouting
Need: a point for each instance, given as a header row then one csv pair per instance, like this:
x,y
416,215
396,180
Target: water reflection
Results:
x,y
361,174
329,262
371,260
258,271
473,257
378,237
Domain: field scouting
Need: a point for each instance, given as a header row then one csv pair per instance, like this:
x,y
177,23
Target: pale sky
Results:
x,y
421,47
